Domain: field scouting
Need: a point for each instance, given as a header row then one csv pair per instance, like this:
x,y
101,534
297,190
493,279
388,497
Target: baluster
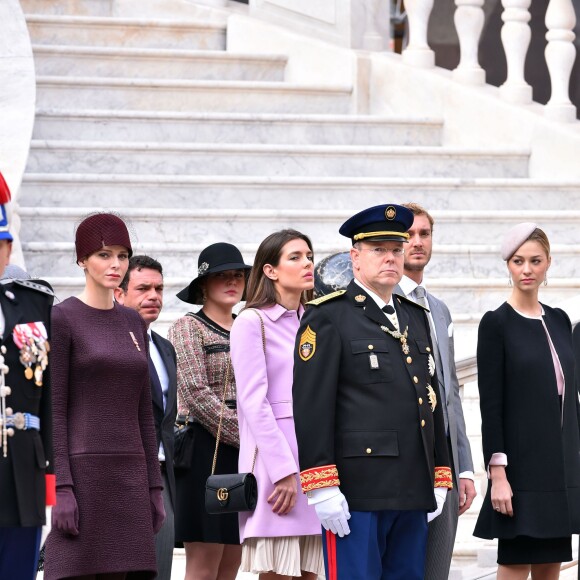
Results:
x,y
418,52
560,56
469,20
515,36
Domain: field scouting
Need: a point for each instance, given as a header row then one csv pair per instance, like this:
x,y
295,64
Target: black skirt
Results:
x,y
526,550
192,522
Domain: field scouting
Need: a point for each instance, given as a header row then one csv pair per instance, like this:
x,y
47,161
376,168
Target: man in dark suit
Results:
x,y
442,531
26,457
371,438
142,290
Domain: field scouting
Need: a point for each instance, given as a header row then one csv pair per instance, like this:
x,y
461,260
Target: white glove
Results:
x,y
331,508
440,495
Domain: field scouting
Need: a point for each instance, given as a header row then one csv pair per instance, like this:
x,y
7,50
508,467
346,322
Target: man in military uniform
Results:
x,y
26,468
371,437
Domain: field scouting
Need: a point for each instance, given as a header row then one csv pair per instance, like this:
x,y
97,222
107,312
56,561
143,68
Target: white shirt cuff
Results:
x,y
467,475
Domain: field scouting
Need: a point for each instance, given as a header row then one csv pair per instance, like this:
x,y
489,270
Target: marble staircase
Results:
x,y
195,143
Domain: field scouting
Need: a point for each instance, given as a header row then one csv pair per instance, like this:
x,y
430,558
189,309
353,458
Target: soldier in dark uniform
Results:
x,y
371,436
26,470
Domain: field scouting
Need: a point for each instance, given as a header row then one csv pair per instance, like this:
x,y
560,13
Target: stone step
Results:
x,y
188,225
80,7
92,189
464,260
127,32
173,95
235,128
162,63
226,159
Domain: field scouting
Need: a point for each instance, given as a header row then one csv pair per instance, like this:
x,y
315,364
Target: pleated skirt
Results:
x,y
288,556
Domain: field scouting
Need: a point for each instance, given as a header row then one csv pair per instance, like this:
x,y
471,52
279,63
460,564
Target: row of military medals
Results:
x,y
31,339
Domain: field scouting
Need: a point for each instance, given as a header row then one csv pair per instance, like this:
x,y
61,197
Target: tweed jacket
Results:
x,y
202,351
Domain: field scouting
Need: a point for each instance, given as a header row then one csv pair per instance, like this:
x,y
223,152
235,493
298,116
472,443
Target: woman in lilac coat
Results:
x,y
281,538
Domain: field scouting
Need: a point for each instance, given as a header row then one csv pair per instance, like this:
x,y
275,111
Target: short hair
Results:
x,y
419,210
260,291
140,263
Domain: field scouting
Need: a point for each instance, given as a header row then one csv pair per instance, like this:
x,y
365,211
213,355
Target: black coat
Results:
x,y
165,420
30,455
359,427
521,417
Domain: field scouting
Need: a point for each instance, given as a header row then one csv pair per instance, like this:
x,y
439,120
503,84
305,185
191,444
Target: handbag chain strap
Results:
x,y
226,382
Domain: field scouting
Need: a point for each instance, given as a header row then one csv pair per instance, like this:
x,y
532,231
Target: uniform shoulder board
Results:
x,y
39,286
401,298
326,298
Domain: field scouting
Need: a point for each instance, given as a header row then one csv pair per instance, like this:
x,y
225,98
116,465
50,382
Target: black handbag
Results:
x,y
184,440
232,492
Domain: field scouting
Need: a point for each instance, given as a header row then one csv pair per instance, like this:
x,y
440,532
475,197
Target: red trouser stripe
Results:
x,y
331,555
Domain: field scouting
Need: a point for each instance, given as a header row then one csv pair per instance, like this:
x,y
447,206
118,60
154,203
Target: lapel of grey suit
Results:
x,y
442,336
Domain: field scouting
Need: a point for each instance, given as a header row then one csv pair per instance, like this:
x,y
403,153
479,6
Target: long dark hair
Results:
x,y
260,291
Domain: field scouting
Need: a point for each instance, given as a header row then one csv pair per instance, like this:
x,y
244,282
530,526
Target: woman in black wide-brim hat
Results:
x,y
202,344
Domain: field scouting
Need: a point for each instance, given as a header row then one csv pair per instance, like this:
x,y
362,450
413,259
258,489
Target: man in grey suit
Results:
x,y
442,530
142,290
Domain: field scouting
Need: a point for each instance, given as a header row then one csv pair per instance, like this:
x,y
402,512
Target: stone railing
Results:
x,y
515,36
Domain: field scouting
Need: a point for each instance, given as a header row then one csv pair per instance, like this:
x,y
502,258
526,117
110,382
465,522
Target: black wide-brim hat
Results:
x,y
213,259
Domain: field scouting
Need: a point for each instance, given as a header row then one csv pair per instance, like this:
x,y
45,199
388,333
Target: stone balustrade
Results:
x,y
515,37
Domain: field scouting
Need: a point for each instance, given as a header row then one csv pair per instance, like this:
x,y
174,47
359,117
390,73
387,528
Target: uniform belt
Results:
x,y
22,421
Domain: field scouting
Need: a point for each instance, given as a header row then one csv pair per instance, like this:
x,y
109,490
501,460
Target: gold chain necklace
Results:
x,y
398,336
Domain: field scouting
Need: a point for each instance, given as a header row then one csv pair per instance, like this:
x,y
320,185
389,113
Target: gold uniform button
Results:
x,y
415,380
371,347
420,401
409,360
369,450
422,422
428,349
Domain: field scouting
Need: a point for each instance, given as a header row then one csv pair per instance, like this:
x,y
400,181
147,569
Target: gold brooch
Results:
x,y
432,397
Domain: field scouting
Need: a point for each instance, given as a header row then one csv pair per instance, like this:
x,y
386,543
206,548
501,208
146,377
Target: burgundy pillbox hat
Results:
x,y
99,230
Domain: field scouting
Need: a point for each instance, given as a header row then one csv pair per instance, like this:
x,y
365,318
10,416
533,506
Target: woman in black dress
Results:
x,y
529,411
202,345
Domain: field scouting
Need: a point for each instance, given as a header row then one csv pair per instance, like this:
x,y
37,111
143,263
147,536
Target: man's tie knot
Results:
x,y
388,309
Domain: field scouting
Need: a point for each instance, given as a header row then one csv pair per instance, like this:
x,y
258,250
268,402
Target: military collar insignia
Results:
x,y
307,346
360,298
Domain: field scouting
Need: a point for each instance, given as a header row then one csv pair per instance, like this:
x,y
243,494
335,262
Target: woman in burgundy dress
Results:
x,y
109,502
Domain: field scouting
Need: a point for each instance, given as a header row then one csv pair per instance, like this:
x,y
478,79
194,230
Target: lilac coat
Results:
x,y
265,416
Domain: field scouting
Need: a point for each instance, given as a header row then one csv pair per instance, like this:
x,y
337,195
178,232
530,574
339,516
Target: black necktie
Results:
x,y
388,309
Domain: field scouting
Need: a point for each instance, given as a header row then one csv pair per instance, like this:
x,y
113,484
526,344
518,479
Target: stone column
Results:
x,y
469,19
560,56
515,36
418,52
